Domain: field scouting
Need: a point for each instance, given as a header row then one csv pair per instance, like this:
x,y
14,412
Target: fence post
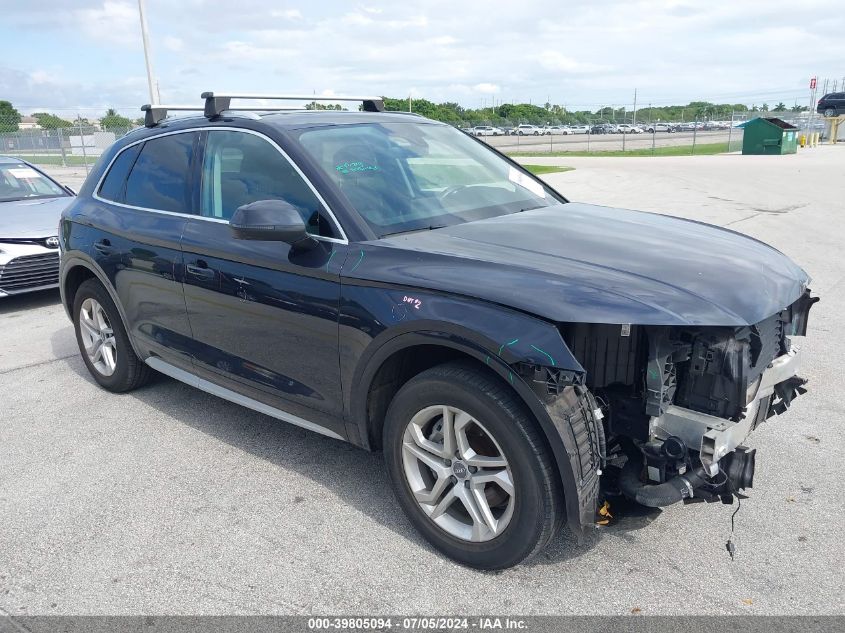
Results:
x,y
82,140
694,132
551,142
589,133
623,140
730,131
61,146
653,133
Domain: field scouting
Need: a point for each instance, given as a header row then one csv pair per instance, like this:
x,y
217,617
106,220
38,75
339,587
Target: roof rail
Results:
x,y
156,112
216,102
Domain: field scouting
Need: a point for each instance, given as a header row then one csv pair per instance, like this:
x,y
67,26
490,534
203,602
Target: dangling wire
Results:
x,y
730,546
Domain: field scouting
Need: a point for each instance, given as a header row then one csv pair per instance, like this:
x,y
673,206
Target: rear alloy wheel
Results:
x,y
97,337
830,112
470,467
103,341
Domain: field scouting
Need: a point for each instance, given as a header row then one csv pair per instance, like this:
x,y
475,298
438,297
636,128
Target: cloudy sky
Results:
x,y
86,55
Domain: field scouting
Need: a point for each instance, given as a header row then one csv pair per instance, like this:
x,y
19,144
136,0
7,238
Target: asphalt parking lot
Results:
x,y
169,500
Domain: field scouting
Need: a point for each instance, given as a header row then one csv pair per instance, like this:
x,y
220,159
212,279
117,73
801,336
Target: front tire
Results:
x,y
103,341
830,112
470,468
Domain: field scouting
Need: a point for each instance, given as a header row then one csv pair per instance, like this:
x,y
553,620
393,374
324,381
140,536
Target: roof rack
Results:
x,y
216,102
156,112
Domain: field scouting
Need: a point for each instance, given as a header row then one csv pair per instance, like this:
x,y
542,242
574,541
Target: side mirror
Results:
x,y
270,221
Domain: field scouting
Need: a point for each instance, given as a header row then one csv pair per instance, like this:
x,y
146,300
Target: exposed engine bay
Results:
x,y
677,403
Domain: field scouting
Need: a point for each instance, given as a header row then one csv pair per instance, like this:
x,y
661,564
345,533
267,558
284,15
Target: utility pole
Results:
x,y
153,97
409,103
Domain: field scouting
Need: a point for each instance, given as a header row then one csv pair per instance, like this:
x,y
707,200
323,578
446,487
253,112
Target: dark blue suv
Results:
x,y
389,281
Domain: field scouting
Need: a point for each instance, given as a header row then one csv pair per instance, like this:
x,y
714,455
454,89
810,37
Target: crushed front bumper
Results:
x,y
716,437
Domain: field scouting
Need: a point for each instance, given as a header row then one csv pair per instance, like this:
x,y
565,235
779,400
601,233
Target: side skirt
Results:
x,y
232,396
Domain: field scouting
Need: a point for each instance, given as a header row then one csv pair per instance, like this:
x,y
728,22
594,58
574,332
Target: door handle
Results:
x,y
104,247
200,270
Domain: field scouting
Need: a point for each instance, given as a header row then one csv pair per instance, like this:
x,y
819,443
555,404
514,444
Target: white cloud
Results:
x,y
586,55
114,21
175,44
553,60
487,88
287,14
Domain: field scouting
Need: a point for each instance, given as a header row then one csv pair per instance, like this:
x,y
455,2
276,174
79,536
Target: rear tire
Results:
x,y
830,112
462,512
103,341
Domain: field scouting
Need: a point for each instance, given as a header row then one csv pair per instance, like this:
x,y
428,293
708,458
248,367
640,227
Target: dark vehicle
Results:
x,y
832,104
384,279
603,128
30,206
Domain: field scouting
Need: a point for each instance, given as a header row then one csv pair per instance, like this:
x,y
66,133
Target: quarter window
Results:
x,y
114,185
239,168
160,178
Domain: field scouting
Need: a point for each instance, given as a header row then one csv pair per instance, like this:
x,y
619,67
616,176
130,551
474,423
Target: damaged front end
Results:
x,y
679,402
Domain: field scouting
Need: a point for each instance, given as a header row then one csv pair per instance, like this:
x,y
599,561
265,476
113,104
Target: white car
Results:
x,y
558,129
529,130
579,129
486,130
626,128
660,127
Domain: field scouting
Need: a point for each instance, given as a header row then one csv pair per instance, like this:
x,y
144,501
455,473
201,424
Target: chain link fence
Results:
x,y
81,144
76,146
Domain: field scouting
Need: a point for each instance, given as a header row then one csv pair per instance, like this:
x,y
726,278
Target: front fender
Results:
x,y
378,322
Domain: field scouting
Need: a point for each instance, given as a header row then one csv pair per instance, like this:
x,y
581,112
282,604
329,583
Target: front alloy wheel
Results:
x,y
471,467
458,473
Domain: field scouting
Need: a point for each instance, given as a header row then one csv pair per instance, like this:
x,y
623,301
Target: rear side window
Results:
x,y
114,184
160,178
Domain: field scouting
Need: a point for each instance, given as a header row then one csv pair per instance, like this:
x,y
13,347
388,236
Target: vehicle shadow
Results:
x,y
29,301
356,476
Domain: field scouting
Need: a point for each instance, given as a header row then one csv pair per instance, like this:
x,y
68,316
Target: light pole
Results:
x,y
153,92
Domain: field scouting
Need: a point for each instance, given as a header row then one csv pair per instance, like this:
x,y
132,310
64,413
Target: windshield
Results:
x,y
19,181
414,176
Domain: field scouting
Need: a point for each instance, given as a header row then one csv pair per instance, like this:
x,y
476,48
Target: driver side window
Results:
x,y
239,168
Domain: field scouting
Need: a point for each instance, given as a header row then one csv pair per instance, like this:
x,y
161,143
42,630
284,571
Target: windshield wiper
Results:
x,y
430,227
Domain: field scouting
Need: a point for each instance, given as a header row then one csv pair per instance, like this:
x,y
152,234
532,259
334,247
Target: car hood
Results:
x,y
31,218
591,264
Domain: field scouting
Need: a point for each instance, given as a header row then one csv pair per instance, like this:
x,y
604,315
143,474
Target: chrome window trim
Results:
x,y
342,240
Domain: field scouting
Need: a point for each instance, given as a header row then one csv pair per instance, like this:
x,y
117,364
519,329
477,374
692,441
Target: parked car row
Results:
x,y
599,128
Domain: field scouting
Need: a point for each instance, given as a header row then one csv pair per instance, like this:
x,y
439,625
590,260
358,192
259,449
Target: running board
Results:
x,y
232,396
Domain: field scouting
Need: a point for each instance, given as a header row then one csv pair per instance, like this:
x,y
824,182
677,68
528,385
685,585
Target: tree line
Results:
x,y
553,114
10,119
454,113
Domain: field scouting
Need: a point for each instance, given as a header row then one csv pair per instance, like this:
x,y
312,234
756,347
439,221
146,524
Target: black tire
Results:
x,y
830,112
130,372
538,500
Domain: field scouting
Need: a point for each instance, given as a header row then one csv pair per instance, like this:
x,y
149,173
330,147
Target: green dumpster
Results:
x,y
769,136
